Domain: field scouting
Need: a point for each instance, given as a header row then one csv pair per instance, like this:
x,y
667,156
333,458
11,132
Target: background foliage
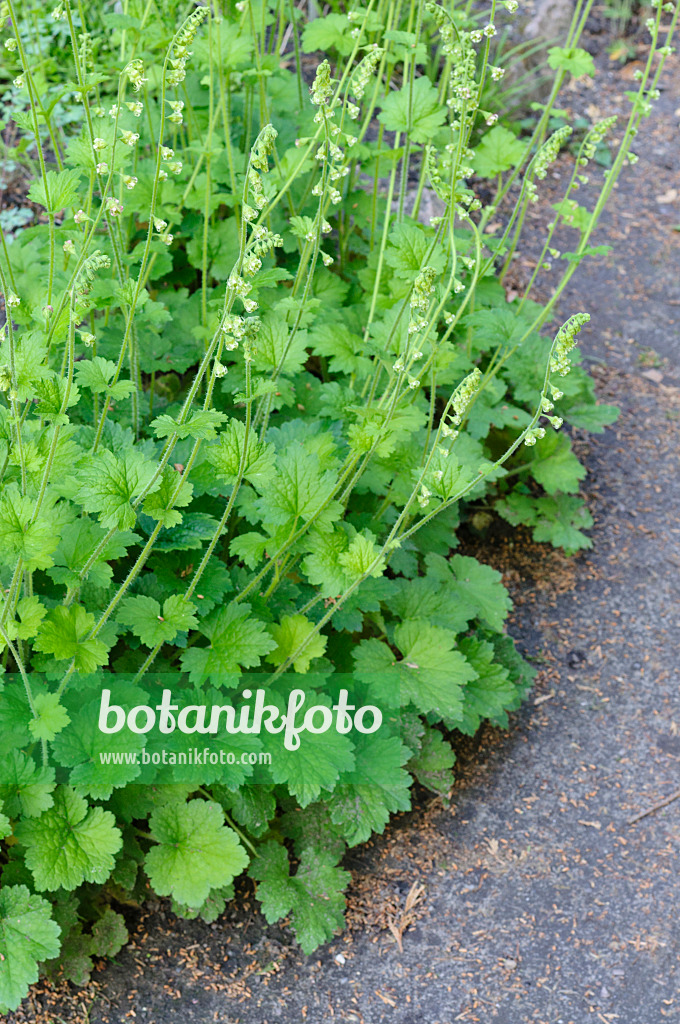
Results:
x,y
249,395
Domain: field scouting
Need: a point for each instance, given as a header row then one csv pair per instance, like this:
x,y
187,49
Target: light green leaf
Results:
x,y
28,935
79,749
409,248
298,490
273,341
78,541
430,674
70,843
109,484
34,541
96,374
332,32
174,491
52,717
360,556
195,851
144,617
227,453
377,787
202,424
576,61
498,151
427,114
554,465
26,788
237,640
60,189
477,586
290,634
64,633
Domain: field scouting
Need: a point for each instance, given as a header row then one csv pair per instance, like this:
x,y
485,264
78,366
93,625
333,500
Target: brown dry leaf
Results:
x,y
398,928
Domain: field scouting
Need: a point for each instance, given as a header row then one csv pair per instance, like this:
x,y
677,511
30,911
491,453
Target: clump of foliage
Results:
x,y
247,399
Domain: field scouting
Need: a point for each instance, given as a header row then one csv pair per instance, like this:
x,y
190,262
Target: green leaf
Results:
x,y
573,215
298,490
377,787
213,905
479,587
109,483
554,465
322,564
26,787
64,633
589,416
70,843
237,640
273,341
79,748
290,634
589,250
162,503
31,613
490,693
576,61
77,543
29,363
342,348
195,851
27,935
202,424
96,374
227,453
52,717
109,934
60,189
332,32
408,250
433,763
34,541
430,674
317,764
74,962
185,536
50,394
251,806
427,114
313,896
498,151
360,557
558,520
144,618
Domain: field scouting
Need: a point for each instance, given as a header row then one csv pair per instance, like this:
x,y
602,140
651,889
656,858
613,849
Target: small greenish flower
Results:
x,y
113,206
135,74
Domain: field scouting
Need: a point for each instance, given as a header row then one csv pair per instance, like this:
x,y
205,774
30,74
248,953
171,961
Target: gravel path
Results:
x,y
536,896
